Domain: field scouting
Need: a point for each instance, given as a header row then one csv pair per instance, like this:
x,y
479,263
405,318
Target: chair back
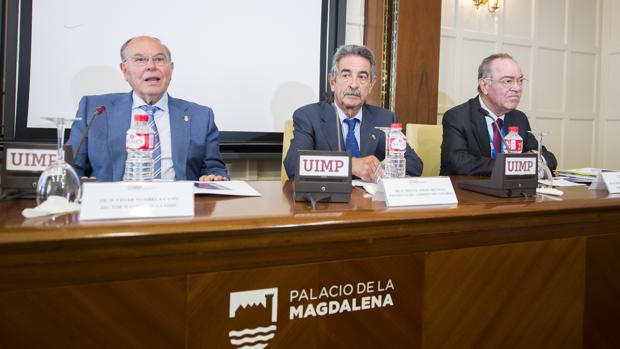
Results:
x,y
287,135
426,141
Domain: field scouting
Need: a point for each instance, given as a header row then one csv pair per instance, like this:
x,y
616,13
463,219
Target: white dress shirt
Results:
x,y
162,121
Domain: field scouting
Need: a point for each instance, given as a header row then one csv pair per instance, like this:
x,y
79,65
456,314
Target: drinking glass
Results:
x,y
543,170
383,170
59,179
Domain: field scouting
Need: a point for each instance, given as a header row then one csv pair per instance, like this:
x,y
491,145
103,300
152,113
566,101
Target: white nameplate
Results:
x,y
606,179
612,180
414,191
516,166
116,200
323,166
34,160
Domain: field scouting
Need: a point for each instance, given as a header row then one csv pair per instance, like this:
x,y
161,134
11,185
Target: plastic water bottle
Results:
x,y
397,144
140,141
514,142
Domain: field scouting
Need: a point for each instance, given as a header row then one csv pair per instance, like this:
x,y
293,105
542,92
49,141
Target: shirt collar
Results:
x,y
342,116
162,103
492,115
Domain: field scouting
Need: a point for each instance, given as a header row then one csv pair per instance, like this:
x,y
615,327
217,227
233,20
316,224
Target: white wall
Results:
x,y
609,115
355,22
558,45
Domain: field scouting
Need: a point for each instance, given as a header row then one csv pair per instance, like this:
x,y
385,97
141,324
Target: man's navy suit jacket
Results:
x,y
315,128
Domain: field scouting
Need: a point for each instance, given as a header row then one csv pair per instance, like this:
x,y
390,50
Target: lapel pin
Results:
x,y
374,138
186,118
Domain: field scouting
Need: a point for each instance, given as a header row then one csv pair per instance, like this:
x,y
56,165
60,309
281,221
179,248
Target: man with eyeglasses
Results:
x,y
347,123
187,134
471,138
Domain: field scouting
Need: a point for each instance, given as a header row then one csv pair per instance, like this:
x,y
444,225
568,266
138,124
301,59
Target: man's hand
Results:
x,y
212,178
365,168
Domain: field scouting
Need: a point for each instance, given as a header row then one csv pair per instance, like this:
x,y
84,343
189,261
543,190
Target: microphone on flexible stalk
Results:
x,y
338,131
98,111
487,115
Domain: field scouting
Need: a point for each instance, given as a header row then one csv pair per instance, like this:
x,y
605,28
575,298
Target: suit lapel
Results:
x,y
118,122
509,120
329,119
369,135
180,135
480,129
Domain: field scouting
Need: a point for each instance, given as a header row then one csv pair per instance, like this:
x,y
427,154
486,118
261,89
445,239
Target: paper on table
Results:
x,y
53,205
585,171
234,188
559,182
369,187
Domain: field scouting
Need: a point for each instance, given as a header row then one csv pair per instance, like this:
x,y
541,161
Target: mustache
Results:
x,y
352,92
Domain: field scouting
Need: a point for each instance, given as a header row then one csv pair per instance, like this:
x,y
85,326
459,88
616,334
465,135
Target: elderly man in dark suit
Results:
x,y
470,137
326,126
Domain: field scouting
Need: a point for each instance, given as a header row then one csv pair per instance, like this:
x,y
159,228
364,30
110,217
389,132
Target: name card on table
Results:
x,y
137,200
607,180
415,191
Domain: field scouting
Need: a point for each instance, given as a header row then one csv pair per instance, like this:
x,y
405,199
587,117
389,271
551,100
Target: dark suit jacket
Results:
x,y
465,149
195,138
315,129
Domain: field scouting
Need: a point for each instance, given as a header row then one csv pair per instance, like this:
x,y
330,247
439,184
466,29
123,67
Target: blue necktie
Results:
x,y
150,110
351,142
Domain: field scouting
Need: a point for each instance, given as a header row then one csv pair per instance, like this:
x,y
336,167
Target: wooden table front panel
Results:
x,y
129,314
388,326
522,295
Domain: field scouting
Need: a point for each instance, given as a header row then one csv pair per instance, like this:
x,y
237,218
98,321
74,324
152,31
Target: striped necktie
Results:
x,y
150,110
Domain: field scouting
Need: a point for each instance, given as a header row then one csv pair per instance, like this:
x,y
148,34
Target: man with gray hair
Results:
x,y
473,131
316,125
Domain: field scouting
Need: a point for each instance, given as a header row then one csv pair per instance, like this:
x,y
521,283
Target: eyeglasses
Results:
x,y
159,60
362,78
509,82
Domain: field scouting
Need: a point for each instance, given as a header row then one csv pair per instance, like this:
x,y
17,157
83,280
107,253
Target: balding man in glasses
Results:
x,y
187,135
471,131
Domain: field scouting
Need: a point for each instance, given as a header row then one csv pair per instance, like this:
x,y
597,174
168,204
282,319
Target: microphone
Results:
x,y
98,111
487,115
338,127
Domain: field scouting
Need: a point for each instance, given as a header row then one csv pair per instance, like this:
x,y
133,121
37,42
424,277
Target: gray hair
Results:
x,y
346,50
123,57
484,70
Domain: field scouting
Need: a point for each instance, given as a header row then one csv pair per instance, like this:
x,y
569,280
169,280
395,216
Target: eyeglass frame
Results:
x,y
509,82
160,63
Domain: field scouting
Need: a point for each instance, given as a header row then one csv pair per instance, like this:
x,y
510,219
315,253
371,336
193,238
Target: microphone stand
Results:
x,y
98,111
339,132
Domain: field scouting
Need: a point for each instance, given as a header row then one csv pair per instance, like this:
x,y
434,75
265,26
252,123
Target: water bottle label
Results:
x,y
137,141
398,144
515,145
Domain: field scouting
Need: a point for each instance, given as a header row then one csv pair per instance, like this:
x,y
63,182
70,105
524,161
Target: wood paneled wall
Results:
x,y
417,56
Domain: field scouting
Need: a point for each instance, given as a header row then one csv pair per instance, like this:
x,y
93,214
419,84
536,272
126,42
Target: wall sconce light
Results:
x,y
492,5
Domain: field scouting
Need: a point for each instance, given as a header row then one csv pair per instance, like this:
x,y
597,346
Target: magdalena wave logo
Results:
x,y
255,313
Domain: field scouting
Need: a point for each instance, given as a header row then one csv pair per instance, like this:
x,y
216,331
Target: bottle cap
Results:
x,y
397,125
141,117
513,129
